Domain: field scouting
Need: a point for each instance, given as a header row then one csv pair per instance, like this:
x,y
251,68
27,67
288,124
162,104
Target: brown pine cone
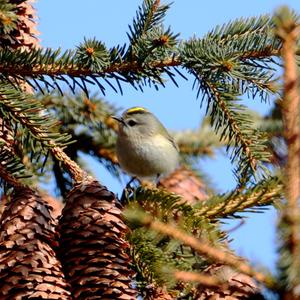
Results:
x,y
242,286
25,34
29,268
185,183
92,245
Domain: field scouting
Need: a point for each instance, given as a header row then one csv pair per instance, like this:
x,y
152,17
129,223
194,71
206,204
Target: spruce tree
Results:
x,y
162,242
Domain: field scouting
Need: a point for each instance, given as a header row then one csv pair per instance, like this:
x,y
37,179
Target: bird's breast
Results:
x,y
147,156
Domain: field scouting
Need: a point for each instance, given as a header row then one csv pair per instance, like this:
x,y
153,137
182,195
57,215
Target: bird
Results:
x,y
144,148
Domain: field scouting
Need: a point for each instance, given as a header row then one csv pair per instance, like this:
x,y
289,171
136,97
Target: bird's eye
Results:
x,y
131,123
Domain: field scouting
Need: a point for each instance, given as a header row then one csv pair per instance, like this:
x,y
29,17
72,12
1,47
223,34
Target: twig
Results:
x,y
291,116
155,6
74,70
208,250
209,281
206,280
290,111
76,172
288,31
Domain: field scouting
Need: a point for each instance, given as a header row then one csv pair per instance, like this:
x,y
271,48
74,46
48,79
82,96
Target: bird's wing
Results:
x,y
169,137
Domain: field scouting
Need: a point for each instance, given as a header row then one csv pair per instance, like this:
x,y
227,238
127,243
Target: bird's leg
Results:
x,y
157,180
128,185
127,190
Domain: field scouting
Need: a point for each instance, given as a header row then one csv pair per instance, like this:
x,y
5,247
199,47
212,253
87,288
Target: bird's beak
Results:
x,y
119,119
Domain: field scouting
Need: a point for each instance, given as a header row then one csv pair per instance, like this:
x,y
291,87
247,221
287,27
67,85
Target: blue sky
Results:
x,y
65,24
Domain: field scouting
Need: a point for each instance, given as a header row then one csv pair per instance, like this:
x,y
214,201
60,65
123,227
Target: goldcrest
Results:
x,y
144,147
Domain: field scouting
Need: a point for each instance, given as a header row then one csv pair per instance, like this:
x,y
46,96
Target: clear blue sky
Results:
x,y
65,24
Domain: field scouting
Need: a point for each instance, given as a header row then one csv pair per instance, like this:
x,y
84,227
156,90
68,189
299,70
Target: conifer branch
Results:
x,y
76,172
148,16
203,248
227,205
212,282
235,128
267,52
72,70
8,178
205,280
149,258
153,6
57,68
54,69
244,40
263,193
220,77
31,115
11,168
246,145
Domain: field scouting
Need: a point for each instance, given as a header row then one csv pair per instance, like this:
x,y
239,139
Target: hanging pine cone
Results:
x,y
242,286
92,245
184,182
24,35
29,268
55,204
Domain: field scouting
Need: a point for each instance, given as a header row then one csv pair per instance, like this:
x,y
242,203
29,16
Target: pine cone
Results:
x,y
3,202
153,292
243,286
25,34
184,182
55,204
93,249
29,268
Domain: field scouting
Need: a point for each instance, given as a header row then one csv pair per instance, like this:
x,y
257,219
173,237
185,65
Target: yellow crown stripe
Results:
x,y
136,110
